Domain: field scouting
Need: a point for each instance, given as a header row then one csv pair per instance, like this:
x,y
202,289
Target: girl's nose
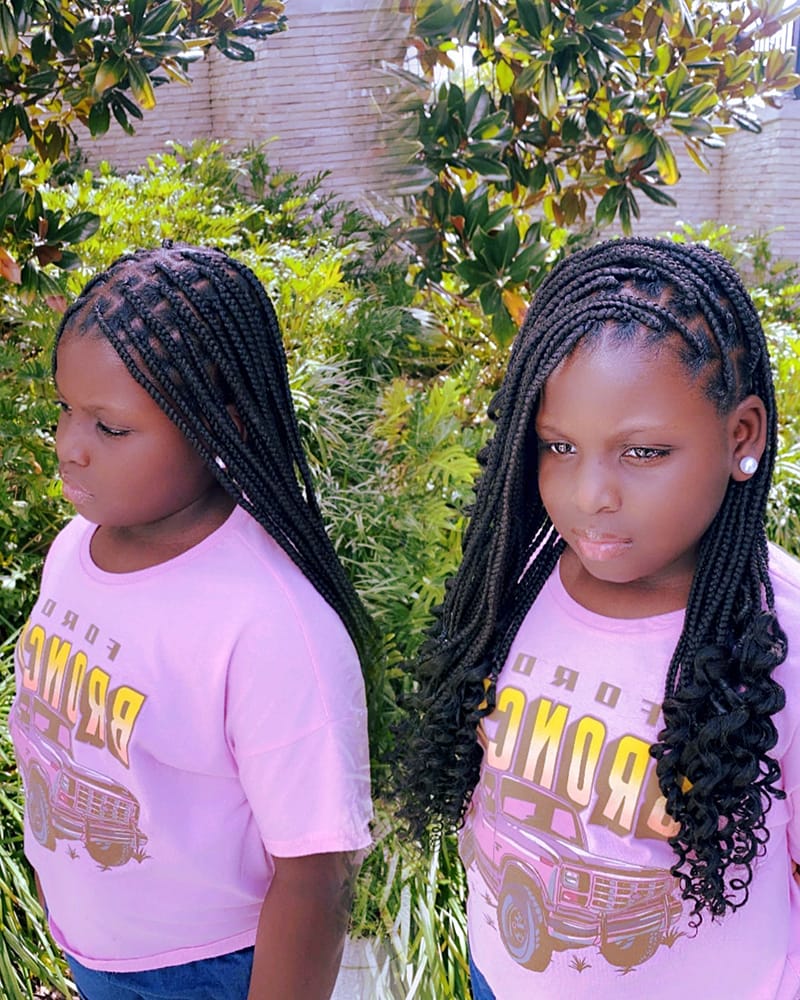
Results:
x,y
596,488
71,445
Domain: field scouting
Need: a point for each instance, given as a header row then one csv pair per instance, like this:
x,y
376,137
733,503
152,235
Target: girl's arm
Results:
x,y
302,927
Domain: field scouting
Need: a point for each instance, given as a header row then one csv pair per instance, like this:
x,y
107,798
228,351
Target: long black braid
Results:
x,y
197,330
713,757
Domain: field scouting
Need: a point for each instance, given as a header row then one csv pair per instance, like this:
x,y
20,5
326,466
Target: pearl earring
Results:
x,y
748,465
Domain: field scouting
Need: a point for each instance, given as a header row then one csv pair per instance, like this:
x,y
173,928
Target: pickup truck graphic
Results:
x,y
551,893
65,800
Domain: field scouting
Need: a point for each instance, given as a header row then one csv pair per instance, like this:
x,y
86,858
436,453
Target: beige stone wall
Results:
x,y
318,92
753,184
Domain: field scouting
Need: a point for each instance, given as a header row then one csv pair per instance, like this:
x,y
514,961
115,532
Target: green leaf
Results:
x,y
141,85
162,18
548,93
636,147
666,163
492,170
503,326
533,16
162,47
12,203
473,274
99,118
109,73
696,100
530,259
78,228
654,193
138,9
606,210
8,124
440,21
40,48
9,39
594,123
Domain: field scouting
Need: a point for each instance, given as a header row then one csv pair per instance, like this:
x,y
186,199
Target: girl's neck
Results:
x,y
131,548
621,600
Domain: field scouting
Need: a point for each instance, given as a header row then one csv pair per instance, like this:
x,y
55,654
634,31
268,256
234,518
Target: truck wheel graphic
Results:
x,y
109,855
522,926
38,802
633,950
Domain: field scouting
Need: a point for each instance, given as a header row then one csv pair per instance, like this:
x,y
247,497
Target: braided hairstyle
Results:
x,y
198,332
713,762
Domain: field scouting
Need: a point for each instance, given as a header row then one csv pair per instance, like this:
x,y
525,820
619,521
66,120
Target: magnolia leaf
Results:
x,y
548,93
666,163
108,74
516,305
694,155
57,303
635,147
9,268
141,86
9,39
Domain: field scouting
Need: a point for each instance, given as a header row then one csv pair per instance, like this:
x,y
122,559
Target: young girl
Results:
x,y
190,718
607,700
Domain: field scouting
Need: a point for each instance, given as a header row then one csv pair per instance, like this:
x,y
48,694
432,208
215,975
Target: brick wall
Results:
x,y
753,184
317,92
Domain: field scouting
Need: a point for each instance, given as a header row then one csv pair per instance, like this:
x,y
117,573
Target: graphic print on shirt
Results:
x,y
62,700
546,777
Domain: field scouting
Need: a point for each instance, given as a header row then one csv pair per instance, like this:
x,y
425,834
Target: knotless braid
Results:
x,y
713,762
196,329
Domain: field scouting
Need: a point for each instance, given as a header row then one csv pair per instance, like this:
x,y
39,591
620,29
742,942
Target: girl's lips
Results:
x,y
74,493
596,547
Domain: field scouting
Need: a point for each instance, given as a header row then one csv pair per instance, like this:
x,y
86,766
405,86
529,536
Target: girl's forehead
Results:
x,y
610,373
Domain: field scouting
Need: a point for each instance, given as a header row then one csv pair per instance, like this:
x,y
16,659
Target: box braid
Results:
x,y
197,330
713,761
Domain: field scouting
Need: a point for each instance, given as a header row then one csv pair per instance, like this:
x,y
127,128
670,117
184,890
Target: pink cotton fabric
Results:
x,y
178,727
566,839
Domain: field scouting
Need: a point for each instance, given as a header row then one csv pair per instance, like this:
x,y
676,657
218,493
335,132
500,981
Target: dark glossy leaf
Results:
x,y
161,18
78,228
99,118
473,274
606,210
656,194
8,123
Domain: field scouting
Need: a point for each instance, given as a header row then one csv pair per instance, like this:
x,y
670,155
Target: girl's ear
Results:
x,y
748,427
234,415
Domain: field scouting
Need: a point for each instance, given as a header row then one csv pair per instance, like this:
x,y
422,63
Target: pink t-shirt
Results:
x,y
570,893
176,727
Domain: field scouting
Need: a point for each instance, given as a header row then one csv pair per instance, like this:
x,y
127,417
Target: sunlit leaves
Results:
x,y
572,112
75,60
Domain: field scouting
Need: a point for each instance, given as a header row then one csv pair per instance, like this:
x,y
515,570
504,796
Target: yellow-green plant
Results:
x,y
555,115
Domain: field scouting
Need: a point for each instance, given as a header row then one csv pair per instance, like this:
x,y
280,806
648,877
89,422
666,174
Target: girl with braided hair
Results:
x,y
607,706
190,717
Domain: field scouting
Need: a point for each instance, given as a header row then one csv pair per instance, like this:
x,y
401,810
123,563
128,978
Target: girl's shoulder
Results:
x,y
784,571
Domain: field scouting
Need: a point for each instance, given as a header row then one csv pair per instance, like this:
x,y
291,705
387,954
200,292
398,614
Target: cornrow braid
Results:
x,y
196,329
719,696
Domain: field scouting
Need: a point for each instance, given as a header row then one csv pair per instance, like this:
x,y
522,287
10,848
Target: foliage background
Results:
x,y
393,358
391,386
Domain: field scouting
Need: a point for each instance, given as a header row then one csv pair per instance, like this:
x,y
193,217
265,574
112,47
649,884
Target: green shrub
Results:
x,y
391,387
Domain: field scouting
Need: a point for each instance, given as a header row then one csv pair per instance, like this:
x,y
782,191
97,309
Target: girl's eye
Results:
x,y
557,447
110,431
643,454
62,406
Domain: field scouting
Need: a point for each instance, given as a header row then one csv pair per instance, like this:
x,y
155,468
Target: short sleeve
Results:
x,y
296,724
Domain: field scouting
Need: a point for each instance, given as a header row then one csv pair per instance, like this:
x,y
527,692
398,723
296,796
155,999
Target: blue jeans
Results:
x,y
224,978
481,990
